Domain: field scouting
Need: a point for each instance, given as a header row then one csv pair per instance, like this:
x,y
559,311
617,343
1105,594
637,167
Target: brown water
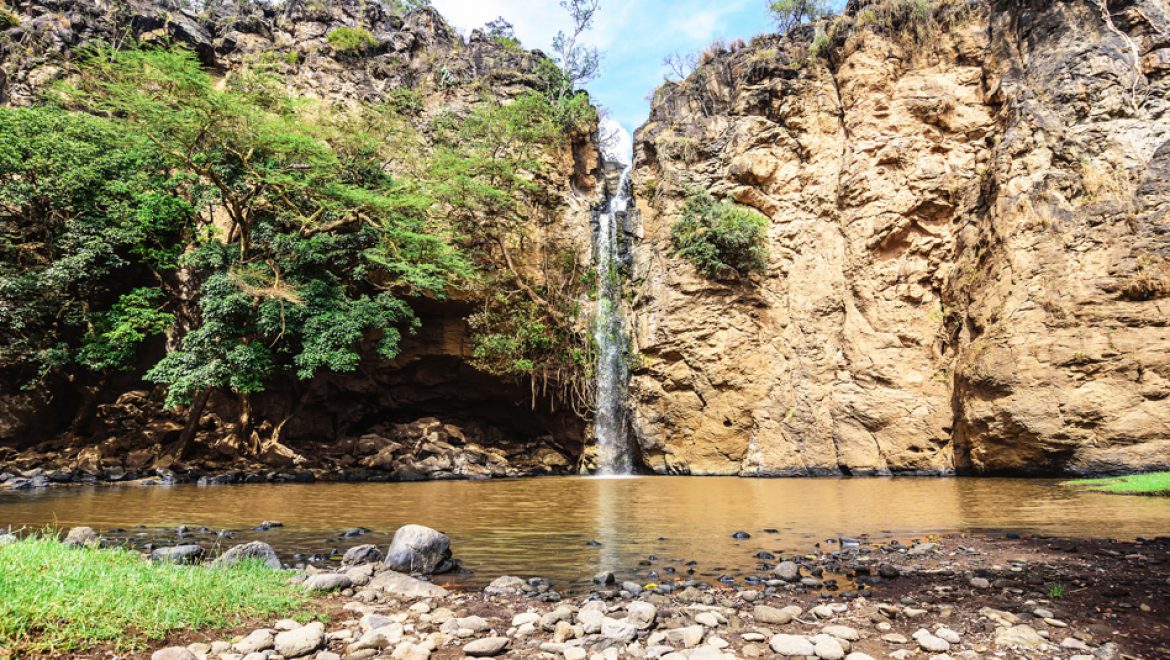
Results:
x,y
540,527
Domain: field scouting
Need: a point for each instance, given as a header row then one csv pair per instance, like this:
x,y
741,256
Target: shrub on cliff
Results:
x,y
721,239
349,40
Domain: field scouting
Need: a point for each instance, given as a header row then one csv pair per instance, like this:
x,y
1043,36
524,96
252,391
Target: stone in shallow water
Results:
x,y
256,550
505,585
419,550
361,554
788,571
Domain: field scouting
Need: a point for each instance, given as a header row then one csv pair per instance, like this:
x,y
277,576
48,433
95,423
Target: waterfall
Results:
x,y
613,454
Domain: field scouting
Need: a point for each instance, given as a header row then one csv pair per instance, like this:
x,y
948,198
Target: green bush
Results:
x,y
350,40
721,239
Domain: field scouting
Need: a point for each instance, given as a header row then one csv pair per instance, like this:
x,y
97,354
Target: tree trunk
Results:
x,y
194,413
244,428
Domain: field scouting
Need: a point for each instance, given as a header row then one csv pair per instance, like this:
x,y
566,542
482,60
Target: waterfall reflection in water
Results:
x,y
540,527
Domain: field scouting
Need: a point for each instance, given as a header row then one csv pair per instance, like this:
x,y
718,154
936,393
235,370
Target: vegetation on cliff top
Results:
x,y
55,598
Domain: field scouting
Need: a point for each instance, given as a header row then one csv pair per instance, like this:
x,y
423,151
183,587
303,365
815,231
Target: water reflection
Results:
x,y
543,526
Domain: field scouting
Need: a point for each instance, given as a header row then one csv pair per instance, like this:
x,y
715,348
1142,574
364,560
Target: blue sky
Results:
x,y
633,35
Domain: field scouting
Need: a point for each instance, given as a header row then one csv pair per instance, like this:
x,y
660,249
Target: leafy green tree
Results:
x,y
721,239
578,63
790,13
302,242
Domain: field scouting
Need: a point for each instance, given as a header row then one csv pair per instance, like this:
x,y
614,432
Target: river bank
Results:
x,y
956,596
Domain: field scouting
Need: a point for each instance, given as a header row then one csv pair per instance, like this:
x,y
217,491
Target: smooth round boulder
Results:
x,y
302,641
486,647
419,550
256,550
361,554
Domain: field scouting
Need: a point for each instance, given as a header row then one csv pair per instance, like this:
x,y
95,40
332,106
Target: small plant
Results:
x,y
1056,590
350,41
7,18
721,239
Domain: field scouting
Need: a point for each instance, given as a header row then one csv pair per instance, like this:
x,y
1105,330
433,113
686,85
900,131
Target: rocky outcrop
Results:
x,y
969,248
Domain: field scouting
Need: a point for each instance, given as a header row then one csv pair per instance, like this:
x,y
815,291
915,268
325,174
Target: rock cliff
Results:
x,y
969,246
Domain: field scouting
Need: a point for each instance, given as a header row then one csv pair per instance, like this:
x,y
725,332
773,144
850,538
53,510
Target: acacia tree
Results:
x,y
578,63
301,242
790,13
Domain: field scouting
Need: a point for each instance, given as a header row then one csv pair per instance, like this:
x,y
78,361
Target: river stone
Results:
x,y
689,636
256,641
505,585
769,615
5,539
302,641
179,554
617,629
574,653
486,647
591,615
81,536
948,634
828,647
641,614
842,632
327,582
792,645
173,653
256,550
980,583
788,571
858,656
929,642
1020,636
361,554
419,550
523,618
405,586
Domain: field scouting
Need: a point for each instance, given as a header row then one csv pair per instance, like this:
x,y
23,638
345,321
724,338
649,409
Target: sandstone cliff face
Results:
x,y
416,53
970,252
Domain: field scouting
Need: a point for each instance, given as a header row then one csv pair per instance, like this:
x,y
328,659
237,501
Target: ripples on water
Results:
x,y
541,527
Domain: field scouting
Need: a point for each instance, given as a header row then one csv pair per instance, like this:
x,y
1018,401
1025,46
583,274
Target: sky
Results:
x,y
634,36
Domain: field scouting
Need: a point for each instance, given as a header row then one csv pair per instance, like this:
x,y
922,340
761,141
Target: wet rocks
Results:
x,y
505,585
253,551
419,550
789,571
361,554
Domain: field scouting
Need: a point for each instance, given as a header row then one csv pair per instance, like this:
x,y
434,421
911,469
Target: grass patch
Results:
x,y
1150,483
55,598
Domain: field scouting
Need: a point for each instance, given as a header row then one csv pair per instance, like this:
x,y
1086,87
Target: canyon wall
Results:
x,y
969,246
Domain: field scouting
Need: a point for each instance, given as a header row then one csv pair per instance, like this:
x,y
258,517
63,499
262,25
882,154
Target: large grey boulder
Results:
x,y
301,641
257,550
419,550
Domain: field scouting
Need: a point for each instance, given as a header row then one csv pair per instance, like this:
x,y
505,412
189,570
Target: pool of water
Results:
x,y
544,527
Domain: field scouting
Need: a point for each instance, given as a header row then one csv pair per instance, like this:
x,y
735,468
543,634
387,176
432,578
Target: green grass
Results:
x,y
1150,483
55,598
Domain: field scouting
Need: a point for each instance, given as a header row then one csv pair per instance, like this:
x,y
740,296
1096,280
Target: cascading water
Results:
x,y
613,454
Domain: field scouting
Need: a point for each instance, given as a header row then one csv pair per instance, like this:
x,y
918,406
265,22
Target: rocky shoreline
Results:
x,y
952,597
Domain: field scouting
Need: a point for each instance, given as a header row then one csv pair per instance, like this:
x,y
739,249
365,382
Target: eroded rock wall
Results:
x,y
968,247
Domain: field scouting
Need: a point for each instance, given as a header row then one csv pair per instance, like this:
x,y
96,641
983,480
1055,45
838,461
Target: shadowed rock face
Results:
x,y
970,252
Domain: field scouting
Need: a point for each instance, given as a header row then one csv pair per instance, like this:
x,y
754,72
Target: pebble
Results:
x,y
707,619
929,642
980,583
842,632
828,647
948,635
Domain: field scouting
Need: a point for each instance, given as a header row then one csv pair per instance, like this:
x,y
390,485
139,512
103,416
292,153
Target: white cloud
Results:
x,y
619,143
